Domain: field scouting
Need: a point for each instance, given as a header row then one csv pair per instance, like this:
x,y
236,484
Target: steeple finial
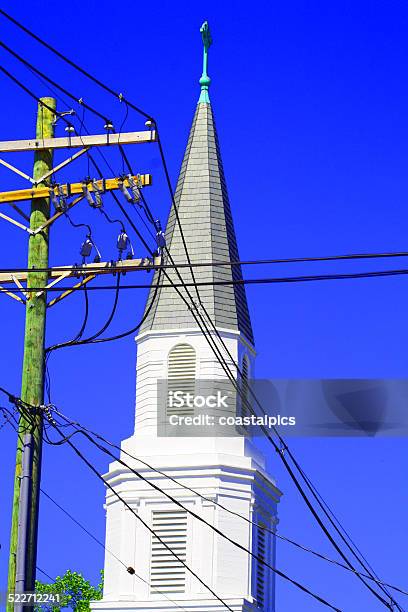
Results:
x,y
205,79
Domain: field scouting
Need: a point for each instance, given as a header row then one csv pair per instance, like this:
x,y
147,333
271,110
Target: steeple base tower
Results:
x,y
226,472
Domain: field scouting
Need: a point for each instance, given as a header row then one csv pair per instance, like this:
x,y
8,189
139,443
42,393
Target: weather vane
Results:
x,y
205,79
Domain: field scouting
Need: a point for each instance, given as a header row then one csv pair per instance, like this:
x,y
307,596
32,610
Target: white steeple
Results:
x,y
224,470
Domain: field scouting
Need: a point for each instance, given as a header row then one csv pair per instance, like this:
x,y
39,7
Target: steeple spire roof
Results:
x,y
205,216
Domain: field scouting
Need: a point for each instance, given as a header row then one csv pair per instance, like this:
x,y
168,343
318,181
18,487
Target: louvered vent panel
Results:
x,y
167,574
181,375
260,579
245,407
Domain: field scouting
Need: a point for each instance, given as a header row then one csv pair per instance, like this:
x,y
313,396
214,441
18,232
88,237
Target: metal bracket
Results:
x,y
56,216
12,295
47,174
54,282
16,170
61,165
20,286
17,223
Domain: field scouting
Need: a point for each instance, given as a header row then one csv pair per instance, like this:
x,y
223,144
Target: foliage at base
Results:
x,y
74,590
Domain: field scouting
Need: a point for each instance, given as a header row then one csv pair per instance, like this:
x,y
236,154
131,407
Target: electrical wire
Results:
x,y
159,141
77,337
70,423
30,93
78,100
248,281
195,311
273,532
45,574
109,551
141,520
96,334
119,96
204,329
111,91
215,264
8,416
109,220
175,208
77,225
276,447
196,516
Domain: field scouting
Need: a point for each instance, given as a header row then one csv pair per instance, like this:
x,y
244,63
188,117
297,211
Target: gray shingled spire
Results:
x,y
202,202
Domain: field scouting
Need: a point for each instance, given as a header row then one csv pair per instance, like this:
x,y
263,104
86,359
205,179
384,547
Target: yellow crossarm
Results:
x,y
20,195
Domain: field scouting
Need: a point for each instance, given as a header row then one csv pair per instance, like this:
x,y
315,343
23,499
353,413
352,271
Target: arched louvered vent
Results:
x,y
167,574
261,573
181,375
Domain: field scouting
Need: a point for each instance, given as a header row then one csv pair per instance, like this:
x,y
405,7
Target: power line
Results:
x,y
220,359
119,96
248,281
286,465
165,171
197,316
198,494
30,93
181,296
140,519
78,100
100,543
216,503
196,516
215,264
91,535
45,574
280,450
299,489
131,105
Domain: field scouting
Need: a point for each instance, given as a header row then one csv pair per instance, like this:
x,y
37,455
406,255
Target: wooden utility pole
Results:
x,y
24,528
32,387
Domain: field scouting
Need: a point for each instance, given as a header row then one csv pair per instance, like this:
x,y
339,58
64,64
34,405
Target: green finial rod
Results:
x,y
205,79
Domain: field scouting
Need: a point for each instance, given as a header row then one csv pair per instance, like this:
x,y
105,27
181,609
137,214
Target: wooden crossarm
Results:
x,y
99,140
104,267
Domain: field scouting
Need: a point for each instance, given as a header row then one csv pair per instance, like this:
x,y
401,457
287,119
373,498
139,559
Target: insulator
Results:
x,y
130,254
125,191
135,187
98,256
161,240
98,193
122,241
160,237
88,195
86,248
59,199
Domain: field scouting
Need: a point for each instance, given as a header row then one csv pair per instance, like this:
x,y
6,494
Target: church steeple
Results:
x,y
229,469
204,210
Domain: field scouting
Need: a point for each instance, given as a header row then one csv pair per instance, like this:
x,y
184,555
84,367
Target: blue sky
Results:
x,y
310,100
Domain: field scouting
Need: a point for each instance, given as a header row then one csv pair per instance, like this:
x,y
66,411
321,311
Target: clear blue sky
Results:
x,y
311,104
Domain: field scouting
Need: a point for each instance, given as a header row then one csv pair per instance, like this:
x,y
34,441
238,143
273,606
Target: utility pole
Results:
x,y
32,386
40,278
